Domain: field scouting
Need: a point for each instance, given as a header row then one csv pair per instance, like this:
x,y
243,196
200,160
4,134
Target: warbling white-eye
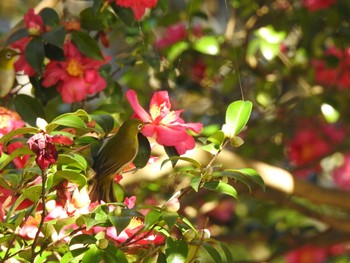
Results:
x,y
7,71
115,154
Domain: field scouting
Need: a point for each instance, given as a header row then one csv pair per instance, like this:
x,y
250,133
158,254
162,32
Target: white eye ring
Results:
x,y
140,126
8,55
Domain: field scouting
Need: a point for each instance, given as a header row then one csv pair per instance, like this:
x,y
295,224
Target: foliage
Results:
x,y
267,80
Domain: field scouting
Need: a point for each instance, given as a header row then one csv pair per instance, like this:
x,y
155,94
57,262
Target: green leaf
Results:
x,y
217,138
105,121
177,49
32,193
69,121
50,17
125,14
91,20
35,54
29,108
221,187
17,35
19,131
112,254
16,153
120,222
195,182
151,218
228,254
243,175
161,257
55,37
53,52
176,251
83,239
186,159
207,45
237,116
72,160
86,45
71,176
144,152
170,218
215,255
93,255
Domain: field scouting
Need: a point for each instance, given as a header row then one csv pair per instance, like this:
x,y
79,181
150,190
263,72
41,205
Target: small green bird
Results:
x,y
115,154
7,70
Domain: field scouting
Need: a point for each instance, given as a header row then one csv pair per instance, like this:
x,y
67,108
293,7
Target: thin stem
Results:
x,y
43,215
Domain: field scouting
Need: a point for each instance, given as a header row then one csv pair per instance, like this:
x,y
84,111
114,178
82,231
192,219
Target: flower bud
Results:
x,y
102,243
189,235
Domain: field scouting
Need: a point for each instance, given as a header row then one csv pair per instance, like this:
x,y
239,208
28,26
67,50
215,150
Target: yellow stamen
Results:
x,y
74,68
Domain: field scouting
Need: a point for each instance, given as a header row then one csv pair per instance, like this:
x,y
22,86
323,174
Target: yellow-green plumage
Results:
x,y
113,156
7,71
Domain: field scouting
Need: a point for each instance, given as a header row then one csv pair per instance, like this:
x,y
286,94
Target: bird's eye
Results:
x,y
140,126
8,55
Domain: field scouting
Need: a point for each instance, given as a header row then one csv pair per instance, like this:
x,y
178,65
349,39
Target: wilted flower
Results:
x,y
163,124
314,5
46,154
138,7
76,77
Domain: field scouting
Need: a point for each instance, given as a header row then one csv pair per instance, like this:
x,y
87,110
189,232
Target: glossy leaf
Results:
x,y
71,176
120,222
237,116
170,218
50,17
227,252
69,121
16,153
55,37
54,53
29,108
144,152
93,255
106,122
151,218
208,45
35,54
244,175
91,20
221,187
176,251
215,255
186,159
86,45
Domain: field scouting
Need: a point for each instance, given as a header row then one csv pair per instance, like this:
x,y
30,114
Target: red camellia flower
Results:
x,y
163,124
314,5
137,6
337,75
310,143
34,23
307,254
76,77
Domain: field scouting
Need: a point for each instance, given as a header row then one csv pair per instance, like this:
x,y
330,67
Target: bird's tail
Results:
x,y
102,189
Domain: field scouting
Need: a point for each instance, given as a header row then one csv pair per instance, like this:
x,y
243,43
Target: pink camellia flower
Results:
x,y
307,254
314,5
21,63
138,6
164,124
34,23
130,201
76,77
341,175
334,75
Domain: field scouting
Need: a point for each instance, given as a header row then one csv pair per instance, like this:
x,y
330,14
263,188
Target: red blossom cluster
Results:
x,y
138,6
164,124
76,77
310,143
335,75
314,5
